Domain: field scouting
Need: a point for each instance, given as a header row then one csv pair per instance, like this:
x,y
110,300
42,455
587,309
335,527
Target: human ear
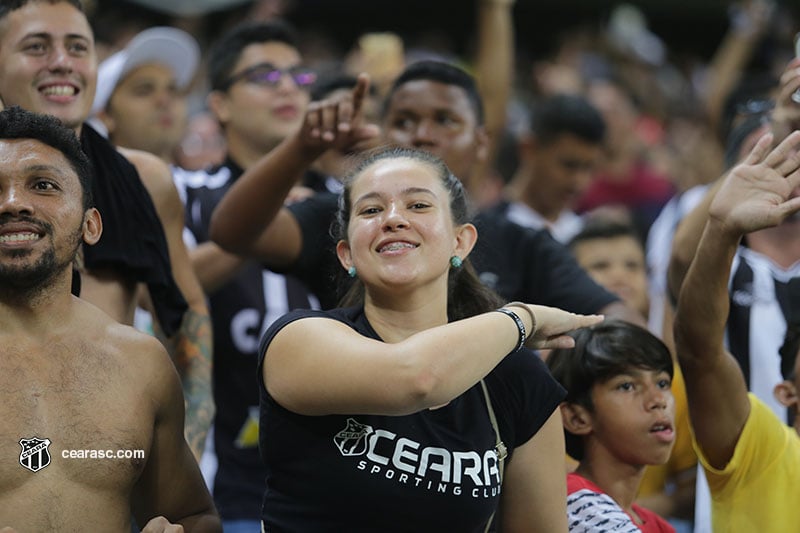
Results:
x,y
217,104
576,418
344,255
786,393
466,237
482,144
92,226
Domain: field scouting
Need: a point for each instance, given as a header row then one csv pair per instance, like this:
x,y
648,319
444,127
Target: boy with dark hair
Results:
x,y
618,418
613,255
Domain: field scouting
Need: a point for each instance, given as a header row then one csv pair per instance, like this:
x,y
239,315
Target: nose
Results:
x,y
657,398
394,218
15,202
618,275
286,83
164,96
424,133
60,59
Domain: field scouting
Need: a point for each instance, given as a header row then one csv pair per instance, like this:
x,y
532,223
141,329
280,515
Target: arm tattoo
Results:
x,y
190,350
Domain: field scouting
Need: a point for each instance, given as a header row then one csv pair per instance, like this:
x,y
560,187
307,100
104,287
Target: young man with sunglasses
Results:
x,y
259,94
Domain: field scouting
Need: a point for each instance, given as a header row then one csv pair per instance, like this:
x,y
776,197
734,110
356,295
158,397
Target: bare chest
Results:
x,y
71,415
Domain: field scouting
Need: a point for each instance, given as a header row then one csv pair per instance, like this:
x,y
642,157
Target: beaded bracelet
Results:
x,y
520,326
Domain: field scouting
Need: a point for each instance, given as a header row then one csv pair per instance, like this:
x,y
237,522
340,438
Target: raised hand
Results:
x,y
338,122
761,191
785,118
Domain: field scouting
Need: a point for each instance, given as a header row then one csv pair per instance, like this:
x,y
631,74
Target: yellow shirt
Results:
x,y
759,489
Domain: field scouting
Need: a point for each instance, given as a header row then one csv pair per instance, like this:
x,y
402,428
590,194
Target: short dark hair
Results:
x,y
466,295
226,51
601,352
7,6
562,114
601,228
442,72
18,123
330,82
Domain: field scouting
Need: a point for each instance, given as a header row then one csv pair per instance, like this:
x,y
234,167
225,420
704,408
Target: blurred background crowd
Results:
x,y
682,71
672,79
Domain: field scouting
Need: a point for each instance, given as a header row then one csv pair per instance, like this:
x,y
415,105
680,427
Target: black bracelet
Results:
x,y
520,326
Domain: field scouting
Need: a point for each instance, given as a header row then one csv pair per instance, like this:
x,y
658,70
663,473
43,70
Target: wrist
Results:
x,y
531,326
722,232
521,330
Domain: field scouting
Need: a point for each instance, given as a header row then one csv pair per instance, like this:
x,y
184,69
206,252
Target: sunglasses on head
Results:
x,y
268,75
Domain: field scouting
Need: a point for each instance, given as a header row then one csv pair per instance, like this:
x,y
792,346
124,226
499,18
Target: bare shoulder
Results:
x,y
153,171
138,351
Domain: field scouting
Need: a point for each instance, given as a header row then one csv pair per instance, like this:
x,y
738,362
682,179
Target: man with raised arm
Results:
x,y
750,457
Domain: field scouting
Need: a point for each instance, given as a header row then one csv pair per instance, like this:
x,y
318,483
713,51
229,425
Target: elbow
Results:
x,y
222,236
692,342
425,388
676,272
416,385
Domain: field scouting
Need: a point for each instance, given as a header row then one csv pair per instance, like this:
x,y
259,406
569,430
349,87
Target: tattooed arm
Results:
x,y
192,357
191,347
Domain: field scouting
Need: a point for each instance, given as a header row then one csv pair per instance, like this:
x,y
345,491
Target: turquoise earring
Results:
x,y
351,271
456,262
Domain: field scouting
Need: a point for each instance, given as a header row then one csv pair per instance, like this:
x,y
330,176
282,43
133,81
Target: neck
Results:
x,y
619,480
525,189
397,318
36,310
781,243
244,153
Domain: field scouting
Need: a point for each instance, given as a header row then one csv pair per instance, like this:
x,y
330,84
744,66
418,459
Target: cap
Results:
x,y
163,45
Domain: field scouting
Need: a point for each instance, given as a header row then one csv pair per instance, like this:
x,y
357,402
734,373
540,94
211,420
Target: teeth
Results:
x,y
396,246
18,237
59,90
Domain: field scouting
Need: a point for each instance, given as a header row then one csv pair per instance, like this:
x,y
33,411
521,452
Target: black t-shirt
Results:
x,y
240,312
133,243
518,263
525,264
434,470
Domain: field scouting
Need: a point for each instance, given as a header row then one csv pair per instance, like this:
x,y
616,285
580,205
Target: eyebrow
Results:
x,y
405,192
47,168
48,35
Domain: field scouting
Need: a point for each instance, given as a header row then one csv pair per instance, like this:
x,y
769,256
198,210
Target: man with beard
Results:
x,y
90,456
48,65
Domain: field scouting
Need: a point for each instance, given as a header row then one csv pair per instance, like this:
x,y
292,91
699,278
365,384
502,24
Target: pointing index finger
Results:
x,y
359,93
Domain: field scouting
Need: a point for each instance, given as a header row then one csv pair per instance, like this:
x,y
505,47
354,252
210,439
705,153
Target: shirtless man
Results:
x,y
48,65
55,349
